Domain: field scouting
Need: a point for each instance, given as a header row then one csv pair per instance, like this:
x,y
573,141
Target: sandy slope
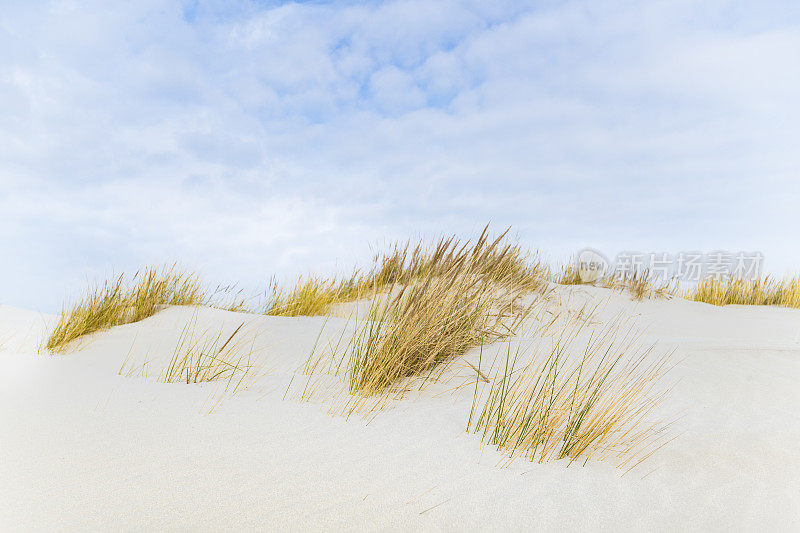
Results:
x,y
83,447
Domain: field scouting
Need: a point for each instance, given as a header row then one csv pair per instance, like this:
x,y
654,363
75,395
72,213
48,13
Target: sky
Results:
x,y
256,139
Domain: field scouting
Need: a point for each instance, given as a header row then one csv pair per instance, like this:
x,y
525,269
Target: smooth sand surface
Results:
x,y
86,448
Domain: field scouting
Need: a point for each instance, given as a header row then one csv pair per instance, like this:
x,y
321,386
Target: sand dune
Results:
x,y
86,447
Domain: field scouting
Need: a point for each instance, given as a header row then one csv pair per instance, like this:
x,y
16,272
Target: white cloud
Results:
x,y
251,140
394,91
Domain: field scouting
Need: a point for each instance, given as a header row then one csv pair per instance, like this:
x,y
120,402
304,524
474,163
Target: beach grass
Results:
x,y
584,395
204,357
762,291
122,301
428,305
404,264
447,301
314,296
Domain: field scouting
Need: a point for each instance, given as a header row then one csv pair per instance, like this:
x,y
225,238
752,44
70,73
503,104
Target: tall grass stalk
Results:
x,y
203,357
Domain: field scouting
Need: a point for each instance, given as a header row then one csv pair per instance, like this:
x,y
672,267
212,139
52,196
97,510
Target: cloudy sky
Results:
x,y
251,139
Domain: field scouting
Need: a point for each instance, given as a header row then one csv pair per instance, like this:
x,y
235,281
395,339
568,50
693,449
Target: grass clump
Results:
x,y
202,358
118,302
425,324
228,360
574,398
442,301
452,299
762,291
404,264
313,296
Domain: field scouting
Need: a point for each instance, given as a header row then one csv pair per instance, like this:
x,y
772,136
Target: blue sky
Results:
x,y
251,139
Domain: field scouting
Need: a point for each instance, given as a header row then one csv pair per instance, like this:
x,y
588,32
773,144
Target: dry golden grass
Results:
x,y
228,362
314,296
443,300
404,264
205,357
121,302
581,396
447,310
763,291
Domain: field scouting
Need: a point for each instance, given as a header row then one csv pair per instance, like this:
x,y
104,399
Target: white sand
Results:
x,y
83,447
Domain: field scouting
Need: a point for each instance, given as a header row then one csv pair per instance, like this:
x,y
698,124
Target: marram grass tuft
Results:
x,y
314,296
203,357
431,306
579,397
406,264
762,291
118,302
